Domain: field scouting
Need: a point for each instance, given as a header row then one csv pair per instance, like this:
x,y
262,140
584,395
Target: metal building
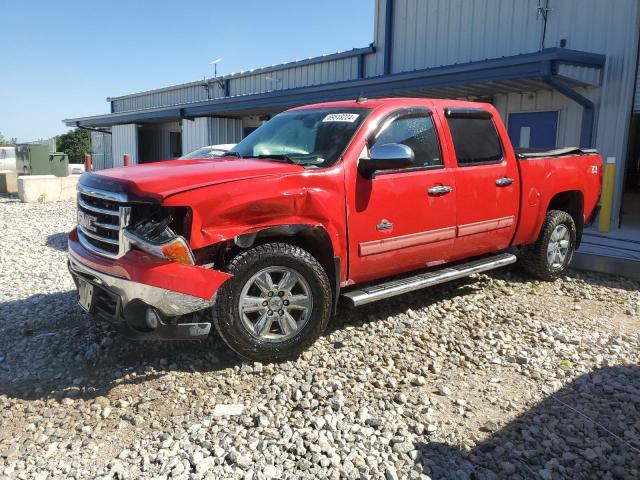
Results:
x,y
561,73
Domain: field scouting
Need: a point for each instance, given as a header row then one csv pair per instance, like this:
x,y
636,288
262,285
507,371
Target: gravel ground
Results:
x,y
494,377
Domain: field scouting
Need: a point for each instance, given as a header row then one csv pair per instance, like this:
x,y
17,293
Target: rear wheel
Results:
x,y
549,257
277,303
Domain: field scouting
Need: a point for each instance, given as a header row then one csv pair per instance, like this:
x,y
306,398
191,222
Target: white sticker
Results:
x,y
341,117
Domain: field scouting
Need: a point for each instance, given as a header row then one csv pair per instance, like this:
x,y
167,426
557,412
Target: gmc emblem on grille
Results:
x,y
86,221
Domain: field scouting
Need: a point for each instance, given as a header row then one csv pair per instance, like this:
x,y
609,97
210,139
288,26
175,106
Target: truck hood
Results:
x,y
157,181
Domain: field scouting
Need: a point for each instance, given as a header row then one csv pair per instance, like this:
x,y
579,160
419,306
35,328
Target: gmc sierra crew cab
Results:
x,y
360,200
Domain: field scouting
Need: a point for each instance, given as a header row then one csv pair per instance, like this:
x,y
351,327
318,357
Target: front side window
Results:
x,y
314,137
475,140
418,133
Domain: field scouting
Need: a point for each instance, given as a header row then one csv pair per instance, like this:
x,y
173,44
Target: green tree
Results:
x,y
11,141
75,144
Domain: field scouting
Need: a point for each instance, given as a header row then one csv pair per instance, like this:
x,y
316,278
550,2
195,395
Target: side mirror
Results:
x,y
389,156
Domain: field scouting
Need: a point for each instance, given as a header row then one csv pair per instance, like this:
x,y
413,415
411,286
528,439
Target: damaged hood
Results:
x,y
157,181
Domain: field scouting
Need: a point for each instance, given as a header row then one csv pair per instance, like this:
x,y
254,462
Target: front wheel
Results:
x,y
549,257
277,303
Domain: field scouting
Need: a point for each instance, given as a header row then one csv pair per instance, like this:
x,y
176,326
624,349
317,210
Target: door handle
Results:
x,y
439,190
504,182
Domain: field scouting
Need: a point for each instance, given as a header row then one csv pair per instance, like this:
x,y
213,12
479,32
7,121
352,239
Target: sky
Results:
x,y
62,59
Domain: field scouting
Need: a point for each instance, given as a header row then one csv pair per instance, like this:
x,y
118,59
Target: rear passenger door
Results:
x,y
487,182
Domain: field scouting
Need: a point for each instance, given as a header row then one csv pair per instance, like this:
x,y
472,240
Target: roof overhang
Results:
x,y
518,73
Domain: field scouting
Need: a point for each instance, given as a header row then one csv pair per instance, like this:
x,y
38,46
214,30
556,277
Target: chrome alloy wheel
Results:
x,y
275,303
558,246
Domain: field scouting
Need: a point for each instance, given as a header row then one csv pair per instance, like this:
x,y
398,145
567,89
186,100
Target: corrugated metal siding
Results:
x,y
195,134
430,33
329,71
374,62
101,154
588,75
204,131
301,76
184,94
124,139
224,130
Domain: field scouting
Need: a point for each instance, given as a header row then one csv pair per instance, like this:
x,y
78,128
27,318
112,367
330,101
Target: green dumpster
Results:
x,y
59,163
35,159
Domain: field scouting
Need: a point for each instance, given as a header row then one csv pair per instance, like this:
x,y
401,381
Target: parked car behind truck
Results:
x,y
322,202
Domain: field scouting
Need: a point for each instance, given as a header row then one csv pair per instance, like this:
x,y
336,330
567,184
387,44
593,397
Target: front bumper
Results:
x,y
121,298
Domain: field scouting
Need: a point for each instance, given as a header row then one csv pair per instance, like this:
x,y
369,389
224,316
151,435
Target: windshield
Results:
x,y
315,137
204,152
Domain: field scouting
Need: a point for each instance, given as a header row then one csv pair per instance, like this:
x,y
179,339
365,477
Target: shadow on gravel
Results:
x,y
50,349
588,429
58,241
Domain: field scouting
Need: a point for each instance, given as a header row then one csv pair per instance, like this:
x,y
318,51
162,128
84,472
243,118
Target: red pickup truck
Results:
x,y
360,200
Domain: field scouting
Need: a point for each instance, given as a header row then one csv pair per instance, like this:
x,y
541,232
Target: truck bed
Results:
x,y
533,153
543,174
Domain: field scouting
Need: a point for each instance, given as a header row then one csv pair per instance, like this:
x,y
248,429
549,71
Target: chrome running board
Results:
x,y
380,291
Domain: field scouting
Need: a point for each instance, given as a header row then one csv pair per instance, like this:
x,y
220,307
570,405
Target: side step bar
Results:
x,y
392,288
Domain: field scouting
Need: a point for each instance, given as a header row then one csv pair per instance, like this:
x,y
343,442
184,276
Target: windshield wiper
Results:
x,y
276,156
231,153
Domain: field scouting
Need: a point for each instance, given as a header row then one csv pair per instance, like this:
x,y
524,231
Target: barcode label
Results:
x,y
341,117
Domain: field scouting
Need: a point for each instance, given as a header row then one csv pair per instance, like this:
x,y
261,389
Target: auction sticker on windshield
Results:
x,y
341,117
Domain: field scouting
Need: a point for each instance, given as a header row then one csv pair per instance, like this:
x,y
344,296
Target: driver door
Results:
x,y
404,219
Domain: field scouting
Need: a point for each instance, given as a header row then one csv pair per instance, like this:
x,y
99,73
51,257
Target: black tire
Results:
x,y
244,266
533,258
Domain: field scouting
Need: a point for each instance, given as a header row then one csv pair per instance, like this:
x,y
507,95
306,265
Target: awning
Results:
x,y
518,73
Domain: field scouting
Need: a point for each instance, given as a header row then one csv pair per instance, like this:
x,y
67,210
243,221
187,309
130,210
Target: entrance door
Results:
x,y
404,219
533,129
630,210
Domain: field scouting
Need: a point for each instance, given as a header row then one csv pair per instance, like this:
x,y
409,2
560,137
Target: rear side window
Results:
x,y
418,133
475,140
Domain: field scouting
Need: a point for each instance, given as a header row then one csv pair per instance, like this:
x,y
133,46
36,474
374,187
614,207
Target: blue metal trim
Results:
x,y
548,71
388,36
360,68
227,87
131,117
528,65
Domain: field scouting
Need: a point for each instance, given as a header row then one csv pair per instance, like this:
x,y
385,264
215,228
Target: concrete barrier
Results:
x,y
8,181
47,188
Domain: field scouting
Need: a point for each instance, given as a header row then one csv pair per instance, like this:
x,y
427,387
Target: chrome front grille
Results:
x,y
102,217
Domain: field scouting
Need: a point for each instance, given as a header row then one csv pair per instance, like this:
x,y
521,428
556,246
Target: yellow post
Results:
x,y
606,200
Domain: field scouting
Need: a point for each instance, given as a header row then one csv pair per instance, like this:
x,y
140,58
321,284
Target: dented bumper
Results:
x,y
141,295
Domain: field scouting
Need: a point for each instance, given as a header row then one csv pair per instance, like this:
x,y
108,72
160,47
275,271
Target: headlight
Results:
x,y
174,249
154,231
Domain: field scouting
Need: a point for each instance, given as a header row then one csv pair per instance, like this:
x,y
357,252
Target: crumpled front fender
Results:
x,y
224,212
